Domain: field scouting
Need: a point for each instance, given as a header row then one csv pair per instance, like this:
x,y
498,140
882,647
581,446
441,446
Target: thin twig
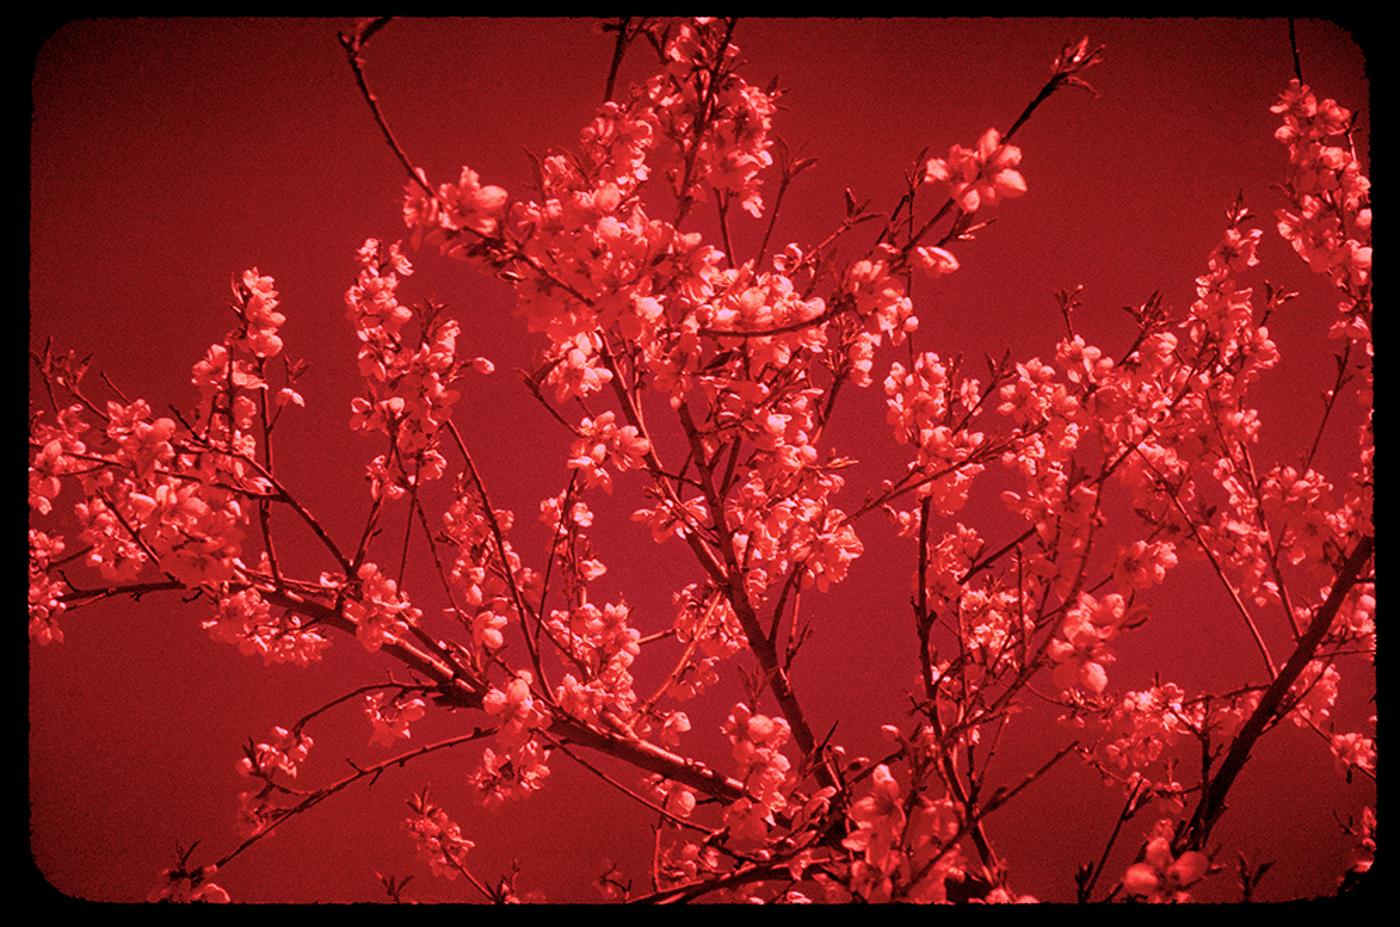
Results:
x,y
673,818
1293,47
499,537
1086,888
322,794
619,50
1001,797
408,529
1215,565
354,50
1331,400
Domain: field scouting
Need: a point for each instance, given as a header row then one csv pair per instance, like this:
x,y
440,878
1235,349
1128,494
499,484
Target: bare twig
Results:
x,y
354,44
1293,47
619,50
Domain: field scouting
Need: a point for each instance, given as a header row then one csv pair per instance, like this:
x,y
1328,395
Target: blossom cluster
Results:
x,y
767,774
381,614
521,764
1163,876
905,853
246,620
180,887
438,838
409,390
45,591
600,441
929,411
980,176
154,492
481,574
1328,220
390,717
601,645
284,752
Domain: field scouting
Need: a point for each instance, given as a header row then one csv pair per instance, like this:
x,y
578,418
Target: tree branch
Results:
x,y
1193,836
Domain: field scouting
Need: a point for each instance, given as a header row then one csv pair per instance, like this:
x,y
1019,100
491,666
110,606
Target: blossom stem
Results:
x,y
437,559
553,548
678,671
408,528
689,891
924,626
1219,571
1002,796
1293,47
498,535
1331,401
1270,546
264,513
722,205
619,50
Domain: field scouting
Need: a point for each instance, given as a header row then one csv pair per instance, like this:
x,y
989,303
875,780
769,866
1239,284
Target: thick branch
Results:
x,y
1212,803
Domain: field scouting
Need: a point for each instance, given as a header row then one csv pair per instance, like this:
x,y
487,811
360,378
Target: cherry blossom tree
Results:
x,y
1044,510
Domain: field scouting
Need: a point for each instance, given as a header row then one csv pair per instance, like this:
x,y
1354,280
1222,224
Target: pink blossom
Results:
x,y
284,752
391,717
1162,876
981,177
934,261
438,838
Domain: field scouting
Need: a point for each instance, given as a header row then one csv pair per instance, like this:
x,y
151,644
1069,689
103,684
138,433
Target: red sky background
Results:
x,y
168,154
